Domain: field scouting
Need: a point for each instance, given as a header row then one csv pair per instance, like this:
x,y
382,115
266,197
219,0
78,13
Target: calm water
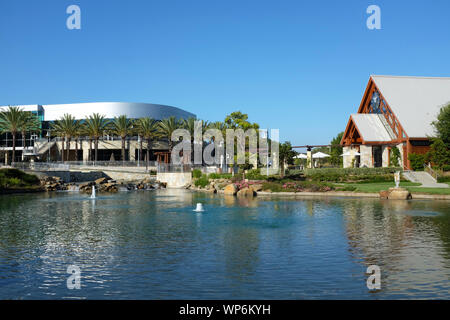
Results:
x,y
151,245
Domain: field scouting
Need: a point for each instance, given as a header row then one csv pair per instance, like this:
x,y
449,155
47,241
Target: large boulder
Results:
x,y
399,194
246,192
101,181
230,189
257,187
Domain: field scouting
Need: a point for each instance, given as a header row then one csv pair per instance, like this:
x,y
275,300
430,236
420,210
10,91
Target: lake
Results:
x,y
152,245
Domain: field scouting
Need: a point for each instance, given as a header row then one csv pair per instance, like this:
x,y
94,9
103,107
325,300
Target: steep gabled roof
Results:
x,y
415,101
371,128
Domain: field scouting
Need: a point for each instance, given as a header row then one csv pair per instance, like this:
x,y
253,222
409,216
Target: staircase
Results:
x,y
424,178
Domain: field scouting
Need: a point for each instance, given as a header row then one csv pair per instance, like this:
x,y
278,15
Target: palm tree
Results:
x,y
121,126
147,128
10,121
167,127
29,123
96,125
67,127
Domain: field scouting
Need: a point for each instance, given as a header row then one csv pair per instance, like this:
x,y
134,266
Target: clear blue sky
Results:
x,y
300,66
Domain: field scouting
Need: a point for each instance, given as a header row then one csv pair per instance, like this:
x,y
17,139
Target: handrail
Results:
x,y
428,169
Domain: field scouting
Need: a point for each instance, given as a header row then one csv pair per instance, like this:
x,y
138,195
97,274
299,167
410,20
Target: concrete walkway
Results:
x,y
424,178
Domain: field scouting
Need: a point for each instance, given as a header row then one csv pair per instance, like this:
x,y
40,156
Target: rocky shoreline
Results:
x,y
102,185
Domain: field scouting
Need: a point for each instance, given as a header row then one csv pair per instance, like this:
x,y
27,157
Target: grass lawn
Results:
x,y
378,186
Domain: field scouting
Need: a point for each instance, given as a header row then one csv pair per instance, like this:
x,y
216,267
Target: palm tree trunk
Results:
x,y
96,149
62,148
90,149
123,149
141,156
148,154
76,149
68,148
23,145
13,147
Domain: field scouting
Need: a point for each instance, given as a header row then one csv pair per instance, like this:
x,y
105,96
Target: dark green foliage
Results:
x,y
439,155
17,178
417,161
203,181
196,173
351,174
255,174
336,150
395,157
446,167
442,125
219,176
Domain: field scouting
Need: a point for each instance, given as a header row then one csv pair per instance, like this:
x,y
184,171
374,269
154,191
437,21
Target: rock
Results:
x,y
257,187
384,194
246,192
100,181
213,190
231,189
399,194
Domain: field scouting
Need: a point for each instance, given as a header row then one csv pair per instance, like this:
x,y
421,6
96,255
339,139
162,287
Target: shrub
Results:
x,y
219,176
16,178
202,182
446,167
255,174
351,174
395,157
416,161
196,173
443,179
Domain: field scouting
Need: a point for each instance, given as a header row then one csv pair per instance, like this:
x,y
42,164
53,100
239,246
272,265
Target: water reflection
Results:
x,y
151,245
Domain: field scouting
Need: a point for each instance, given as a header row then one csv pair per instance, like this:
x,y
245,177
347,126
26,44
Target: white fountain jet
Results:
x,y
93,192
199,207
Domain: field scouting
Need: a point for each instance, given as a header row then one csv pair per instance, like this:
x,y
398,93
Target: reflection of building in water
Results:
x,y
382,233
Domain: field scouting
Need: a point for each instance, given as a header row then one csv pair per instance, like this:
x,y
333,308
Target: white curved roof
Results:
x,y
415,101
110,110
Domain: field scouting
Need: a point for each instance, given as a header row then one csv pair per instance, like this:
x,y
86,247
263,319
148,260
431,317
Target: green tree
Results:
x,y
147,128
96,125
66,127
167,127
122,127
29,123
286,155
336,150
10,121
239,120
439,153
442,125
394,160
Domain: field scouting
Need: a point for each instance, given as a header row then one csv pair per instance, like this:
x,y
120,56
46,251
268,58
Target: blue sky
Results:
x,y
300,66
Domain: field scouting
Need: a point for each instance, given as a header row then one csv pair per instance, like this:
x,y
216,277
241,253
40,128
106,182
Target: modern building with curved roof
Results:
x,y
109,145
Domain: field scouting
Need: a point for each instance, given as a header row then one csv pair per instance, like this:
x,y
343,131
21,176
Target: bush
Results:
x,y
416,161
202,182
446,167
219,176
17,178
351,174
298,186
443,179
395,157
196,173
255,174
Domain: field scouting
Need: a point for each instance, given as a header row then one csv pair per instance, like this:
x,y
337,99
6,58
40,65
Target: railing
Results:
x,y
40,166
427,168
67,165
